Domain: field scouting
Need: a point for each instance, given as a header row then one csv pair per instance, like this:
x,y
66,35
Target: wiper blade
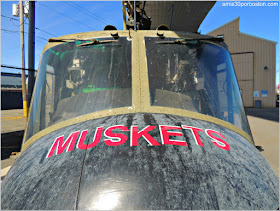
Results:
x,y
93,41
60,40
96,42
188,41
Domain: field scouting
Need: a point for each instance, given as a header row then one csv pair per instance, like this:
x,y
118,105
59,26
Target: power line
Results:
x,y
9,17
106,21
46,32
15,19
87,12
5,30
65,16
28,24
24,32
11,31
17,68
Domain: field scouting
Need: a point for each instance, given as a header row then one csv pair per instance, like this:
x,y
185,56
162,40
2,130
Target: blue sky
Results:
x,y
64,17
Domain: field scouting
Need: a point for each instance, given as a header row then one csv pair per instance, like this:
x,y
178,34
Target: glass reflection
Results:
x,y
107,200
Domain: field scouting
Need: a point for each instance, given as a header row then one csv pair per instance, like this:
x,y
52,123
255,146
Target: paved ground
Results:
x,y
264,125
12,120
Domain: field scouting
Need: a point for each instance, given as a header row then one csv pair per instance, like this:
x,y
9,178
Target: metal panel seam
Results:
x,y
79,185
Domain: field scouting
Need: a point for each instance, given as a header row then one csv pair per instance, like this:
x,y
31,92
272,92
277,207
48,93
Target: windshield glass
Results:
x,y
195,76
77,79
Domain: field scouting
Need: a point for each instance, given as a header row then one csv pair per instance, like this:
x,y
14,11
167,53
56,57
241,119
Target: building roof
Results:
x,y
249,35
256,37
224,24
11,80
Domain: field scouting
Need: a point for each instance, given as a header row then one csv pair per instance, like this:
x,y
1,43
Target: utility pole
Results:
x,y
124,15
22,59
31,34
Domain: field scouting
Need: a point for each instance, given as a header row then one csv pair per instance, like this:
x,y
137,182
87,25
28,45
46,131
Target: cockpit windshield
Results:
x,y
196,76
81,77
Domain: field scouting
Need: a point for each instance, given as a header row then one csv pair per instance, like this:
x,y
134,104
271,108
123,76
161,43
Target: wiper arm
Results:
x,y
187,41
93,41
60,40
96,42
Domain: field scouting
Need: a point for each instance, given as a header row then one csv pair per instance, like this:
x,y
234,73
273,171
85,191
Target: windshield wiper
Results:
x,y
92,41
96,42
188,41
60,40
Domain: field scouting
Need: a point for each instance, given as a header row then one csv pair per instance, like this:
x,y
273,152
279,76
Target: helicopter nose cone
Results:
x,y
155,164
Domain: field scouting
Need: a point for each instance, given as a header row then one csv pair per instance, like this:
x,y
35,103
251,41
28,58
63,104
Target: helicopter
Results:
x,y
138,119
